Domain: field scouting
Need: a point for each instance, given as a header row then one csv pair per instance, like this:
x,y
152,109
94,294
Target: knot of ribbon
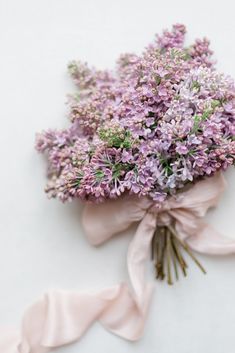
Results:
x,y
62,317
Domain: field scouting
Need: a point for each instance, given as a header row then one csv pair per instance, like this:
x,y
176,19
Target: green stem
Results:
x,y
167,250
179,256
174,259
168,247
187,249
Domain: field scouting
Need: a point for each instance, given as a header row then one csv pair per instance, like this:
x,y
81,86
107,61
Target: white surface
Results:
x,y
41,242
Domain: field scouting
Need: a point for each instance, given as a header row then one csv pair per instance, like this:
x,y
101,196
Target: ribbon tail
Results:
x,y
61,317
9,340
209,241
127,317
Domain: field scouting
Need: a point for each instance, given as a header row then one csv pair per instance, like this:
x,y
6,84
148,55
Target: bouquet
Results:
x,y
147,143
158,124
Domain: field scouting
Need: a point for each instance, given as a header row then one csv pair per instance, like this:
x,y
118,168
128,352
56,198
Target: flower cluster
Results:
x,y
159,121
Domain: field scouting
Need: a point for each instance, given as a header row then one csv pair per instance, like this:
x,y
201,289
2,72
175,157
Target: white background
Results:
x,y
42,244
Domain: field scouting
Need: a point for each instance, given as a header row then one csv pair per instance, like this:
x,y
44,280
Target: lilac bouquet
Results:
x,y
159,122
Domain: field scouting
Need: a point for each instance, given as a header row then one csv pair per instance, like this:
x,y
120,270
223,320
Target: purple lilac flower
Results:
x,y
159,121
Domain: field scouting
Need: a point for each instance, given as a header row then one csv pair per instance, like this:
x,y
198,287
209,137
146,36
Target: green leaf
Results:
x,y
196,85
118,138
158,80
197,120
215,103
99,174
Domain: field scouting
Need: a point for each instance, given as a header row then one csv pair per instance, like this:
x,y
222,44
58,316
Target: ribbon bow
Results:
x,y
62,317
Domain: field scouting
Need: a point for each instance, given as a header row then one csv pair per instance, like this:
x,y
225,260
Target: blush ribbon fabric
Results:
x,y
62,317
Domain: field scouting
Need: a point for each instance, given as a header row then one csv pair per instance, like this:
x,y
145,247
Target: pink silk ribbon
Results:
x,y
61,317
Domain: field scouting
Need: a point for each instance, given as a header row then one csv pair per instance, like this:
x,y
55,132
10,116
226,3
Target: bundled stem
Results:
x,y
167,253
